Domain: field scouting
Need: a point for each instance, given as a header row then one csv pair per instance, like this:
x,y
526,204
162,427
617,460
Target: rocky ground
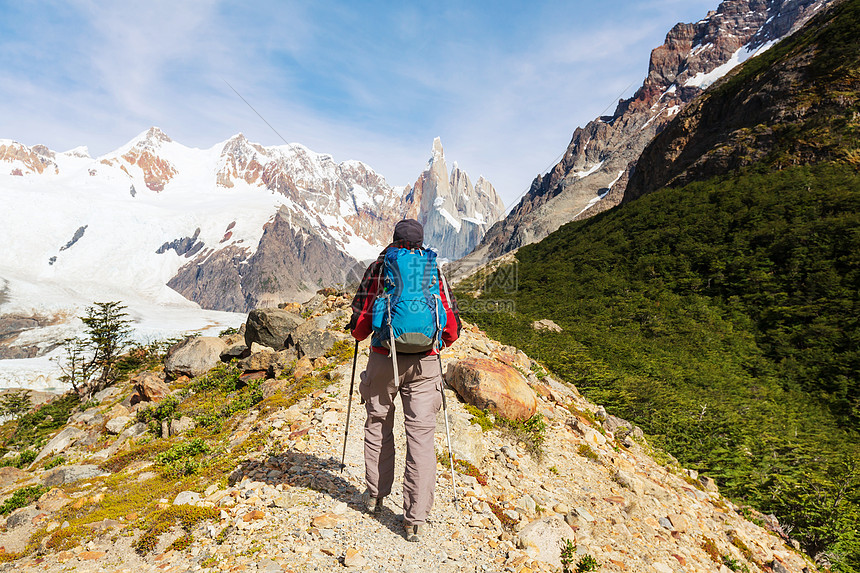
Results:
x,y
269,495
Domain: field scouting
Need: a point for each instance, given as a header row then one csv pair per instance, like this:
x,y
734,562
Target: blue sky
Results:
x,y
504,84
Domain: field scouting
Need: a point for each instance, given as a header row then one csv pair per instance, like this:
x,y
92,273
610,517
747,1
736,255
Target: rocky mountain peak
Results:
x,y
255,223
152,140
240,159
24,159
154,136
144,154
719,134
437,149
453,213
82,152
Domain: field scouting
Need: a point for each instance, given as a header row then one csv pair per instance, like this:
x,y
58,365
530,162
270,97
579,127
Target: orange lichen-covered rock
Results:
x,y
491,385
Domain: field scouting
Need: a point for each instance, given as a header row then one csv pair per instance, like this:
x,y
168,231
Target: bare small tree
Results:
x,y
77,365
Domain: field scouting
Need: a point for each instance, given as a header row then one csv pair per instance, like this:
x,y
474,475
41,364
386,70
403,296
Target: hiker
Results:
x,y
420,375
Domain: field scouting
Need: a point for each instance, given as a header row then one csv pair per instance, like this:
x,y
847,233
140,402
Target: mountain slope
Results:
x,y
594,170
720,312
250,471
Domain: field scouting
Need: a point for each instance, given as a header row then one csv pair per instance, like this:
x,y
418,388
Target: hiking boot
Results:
x,y
413,533
372,504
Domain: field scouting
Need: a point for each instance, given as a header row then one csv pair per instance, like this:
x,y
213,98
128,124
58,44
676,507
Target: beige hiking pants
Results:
x,y
421,395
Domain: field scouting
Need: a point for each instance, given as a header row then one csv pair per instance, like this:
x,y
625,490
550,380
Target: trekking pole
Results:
x,y
349,408
447,430
444,401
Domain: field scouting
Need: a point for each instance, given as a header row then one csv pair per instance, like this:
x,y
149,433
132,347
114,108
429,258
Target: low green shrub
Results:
x,y
23,459
342,351
224,377
586,452
153,416
184,458
587,563
22,498
480,418
709,547
462,466
54,462
36,425
734,564
532,431
538,370
568,552
188,516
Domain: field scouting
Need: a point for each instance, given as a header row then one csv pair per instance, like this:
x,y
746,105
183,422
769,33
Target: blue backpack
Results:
x,y
408,308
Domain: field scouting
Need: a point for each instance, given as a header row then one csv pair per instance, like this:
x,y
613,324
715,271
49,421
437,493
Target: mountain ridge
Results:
x,y
170,229
594,170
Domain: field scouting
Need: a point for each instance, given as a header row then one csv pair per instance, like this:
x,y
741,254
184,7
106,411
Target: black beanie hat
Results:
x,y
409,230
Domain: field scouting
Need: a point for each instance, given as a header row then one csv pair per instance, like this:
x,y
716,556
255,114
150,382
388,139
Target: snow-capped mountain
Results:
x,y
330,220
593,173
165,228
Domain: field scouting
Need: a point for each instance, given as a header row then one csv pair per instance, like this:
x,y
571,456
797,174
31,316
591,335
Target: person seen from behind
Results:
x,y
420,376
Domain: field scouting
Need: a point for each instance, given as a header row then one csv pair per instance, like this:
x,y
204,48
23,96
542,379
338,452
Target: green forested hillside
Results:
x,y
723,318
722,315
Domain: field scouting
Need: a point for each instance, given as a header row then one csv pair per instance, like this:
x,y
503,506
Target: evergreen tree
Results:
x,y
108,330
89,361
15,403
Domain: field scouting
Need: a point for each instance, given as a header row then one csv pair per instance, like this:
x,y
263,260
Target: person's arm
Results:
x,y
451,332
361,323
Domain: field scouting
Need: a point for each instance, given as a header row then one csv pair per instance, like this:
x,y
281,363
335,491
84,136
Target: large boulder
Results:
x,y
131,432
304,367
181,426
194,356
271,327
273,386
283,361
316,343
268,361
118,424
10,476
258,360
149,387
490,385
54,500
467,439
546,325
235,347
618,426
545,538
68,436
69,474
311,324
21,516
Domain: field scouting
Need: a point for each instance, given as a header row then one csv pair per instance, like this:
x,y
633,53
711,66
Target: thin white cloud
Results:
x,y
503,107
